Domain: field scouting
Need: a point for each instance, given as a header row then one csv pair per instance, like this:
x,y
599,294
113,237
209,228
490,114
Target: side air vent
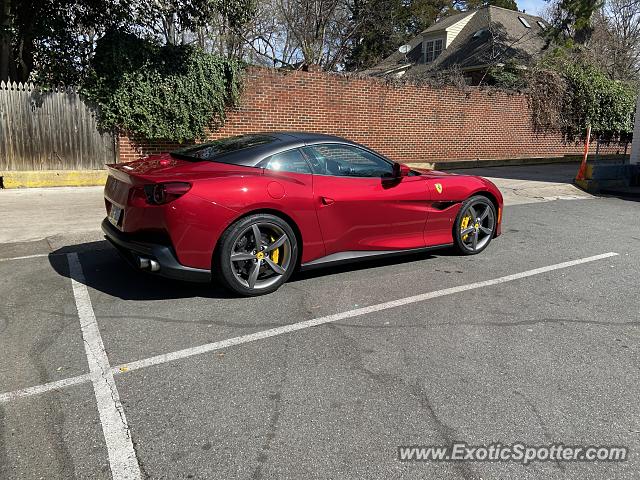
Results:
x,y
443,205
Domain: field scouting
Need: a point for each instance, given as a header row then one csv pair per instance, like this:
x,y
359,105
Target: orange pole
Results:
x,y
583,166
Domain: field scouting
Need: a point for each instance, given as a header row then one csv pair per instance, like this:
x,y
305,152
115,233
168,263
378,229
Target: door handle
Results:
x,y
327,200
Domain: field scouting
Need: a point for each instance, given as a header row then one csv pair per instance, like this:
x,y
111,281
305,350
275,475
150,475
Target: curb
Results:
x,y
511,162
610,178
624,193
52,178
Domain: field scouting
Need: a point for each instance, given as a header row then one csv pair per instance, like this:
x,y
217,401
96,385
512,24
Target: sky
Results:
x,y
534,7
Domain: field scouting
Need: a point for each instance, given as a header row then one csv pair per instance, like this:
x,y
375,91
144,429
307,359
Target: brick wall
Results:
x,y
408,123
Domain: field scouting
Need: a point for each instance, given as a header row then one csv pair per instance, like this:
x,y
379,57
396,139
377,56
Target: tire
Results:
x,y
251,268
475,225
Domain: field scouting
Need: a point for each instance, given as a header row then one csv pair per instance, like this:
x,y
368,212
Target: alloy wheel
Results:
x,y
477,226
261,254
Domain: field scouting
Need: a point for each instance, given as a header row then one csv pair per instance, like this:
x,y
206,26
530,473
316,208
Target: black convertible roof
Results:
x,y
252,148
305,137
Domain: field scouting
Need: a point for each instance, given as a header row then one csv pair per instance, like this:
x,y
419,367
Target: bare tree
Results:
x,y
214,25
315,26
614,43
618,37
269,39
301,33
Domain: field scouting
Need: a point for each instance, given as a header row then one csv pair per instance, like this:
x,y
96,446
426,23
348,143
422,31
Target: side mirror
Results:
x,y
400,170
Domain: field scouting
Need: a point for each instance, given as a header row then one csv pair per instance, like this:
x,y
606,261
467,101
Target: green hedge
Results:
x,y
568,95
160,92
607,105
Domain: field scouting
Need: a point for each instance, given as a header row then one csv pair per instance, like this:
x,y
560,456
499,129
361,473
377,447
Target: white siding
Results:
x,y
454,30
635,144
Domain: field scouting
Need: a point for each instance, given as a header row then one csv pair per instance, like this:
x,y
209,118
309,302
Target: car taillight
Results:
x,y
162,193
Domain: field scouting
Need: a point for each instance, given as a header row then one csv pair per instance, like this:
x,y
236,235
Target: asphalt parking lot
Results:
x,y
326,377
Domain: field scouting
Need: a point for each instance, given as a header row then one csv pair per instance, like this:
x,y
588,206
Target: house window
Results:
x,y
437,48
524,22
542,25
432,50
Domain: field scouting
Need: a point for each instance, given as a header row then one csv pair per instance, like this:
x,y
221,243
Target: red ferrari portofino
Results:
x,y
250,210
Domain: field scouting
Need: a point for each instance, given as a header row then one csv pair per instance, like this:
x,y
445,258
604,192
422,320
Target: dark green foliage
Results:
x,y
607,105
50,41
160,92
569,96
376,35
572,20
510,76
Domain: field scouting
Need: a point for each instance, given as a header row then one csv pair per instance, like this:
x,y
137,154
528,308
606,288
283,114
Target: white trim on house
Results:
x,y
445,36
454,30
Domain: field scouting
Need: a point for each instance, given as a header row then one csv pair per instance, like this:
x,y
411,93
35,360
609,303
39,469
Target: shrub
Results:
x,y
160,92
607,105
568,96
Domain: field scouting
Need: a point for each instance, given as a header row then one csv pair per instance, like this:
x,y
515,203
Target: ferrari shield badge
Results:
x,y
439,187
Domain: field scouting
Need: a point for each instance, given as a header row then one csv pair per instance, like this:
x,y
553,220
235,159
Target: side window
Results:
x,y
347,161
289,161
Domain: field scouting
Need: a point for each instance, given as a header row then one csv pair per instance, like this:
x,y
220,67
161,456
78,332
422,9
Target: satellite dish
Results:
x,y
404,48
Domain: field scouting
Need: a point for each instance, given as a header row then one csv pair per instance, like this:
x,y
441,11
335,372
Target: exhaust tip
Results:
x,y
143,263
155,266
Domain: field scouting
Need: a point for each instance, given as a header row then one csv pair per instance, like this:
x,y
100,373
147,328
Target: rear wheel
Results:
x,y
475,225
256,255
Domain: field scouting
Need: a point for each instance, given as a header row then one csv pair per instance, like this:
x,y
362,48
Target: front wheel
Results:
x,y
475,225
256,255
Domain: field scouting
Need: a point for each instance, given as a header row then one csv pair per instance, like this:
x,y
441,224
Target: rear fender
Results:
x,y
291,194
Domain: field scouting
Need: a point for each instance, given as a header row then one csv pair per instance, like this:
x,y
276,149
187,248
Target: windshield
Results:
x,y
213,150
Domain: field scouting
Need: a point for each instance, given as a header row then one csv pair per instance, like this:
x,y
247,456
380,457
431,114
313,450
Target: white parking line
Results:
x,y
122,456
25,257
44,388
189,352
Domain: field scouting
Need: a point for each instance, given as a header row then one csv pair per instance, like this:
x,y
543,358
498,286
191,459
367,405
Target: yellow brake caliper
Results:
x,y
275,255
464,224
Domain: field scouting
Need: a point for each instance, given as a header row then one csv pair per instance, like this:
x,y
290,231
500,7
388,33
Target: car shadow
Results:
x,y
105,271
329,270
629,194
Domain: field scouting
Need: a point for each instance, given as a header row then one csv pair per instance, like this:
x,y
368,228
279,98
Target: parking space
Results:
x,y
382,361
39,325
57,435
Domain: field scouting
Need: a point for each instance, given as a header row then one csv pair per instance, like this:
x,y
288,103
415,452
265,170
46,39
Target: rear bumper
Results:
x,y
164,255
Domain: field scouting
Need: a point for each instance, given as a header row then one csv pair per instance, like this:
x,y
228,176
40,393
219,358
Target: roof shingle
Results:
x,y
494,35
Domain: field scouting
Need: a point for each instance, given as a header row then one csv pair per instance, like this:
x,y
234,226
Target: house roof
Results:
x,y
492,35
447,22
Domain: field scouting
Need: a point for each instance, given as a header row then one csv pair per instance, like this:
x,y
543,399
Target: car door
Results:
x,y
290,186
360,205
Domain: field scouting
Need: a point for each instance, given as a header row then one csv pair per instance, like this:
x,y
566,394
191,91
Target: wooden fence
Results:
x,y
49,130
